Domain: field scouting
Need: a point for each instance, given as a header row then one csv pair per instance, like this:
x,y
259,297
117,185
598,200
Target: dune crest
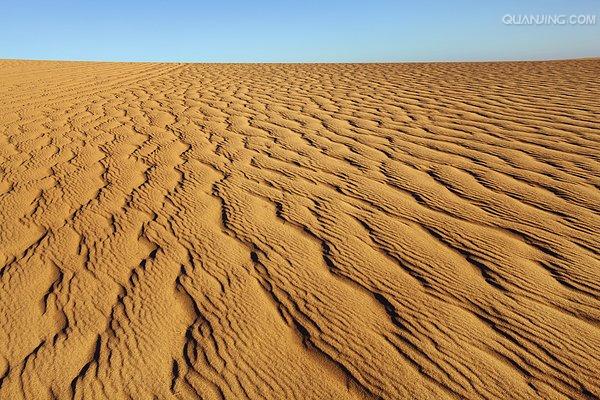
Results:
x,y
299,231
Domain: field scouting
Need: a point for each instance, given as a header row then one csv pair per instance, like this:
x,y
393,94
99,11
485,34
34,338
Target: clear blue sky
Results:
x,y
294,31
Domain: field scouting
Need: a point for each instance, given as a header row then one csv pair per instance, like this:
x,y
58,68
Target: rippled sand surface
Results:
x,y
182,231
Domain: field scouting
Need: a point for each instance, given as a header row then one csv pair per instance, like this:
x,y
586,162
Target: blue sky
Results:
x,y
291,31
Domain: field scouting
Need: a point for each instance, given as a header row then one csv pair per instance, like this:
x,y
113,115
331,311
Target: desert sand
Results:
x,y
298,231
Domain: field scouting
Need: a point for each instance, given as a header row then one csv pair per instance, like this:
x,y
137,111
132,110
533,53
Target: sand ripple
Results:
x,y
299,231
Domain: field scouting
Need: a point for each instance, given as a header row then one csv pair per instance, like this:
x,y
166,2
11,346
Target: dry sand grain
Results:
x,y
299,231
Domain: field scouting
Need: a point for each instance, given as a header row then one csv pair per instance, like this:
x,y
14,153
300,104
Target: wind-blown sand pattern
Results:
x,y
299,231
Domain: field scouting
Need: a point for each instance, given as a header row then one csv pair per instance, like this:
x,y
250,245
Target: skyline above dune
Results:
x,y
308,31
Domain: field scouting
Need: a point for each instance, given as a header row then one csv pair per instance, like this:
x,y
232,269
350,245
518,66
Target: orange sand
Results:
x,y
180,231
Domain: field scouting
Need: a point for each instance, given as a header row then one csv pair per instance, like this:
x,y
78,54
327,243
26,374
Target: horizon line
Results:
x,y
309,62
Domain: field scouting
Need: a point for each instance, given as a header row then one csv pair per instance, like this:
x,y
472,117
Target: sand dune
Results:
x,y
299,231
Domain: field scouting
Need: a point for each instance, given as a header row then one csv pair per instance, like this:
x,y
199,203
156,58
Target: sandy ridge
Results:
x,y
299,231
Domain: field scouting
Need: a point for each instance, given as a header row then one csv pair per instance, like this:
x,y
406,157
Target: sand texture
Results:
x,y
393,231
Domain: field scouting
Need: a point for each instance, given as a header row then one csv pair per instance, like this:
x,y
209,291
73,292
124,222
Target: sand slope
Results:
x,y
299,231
